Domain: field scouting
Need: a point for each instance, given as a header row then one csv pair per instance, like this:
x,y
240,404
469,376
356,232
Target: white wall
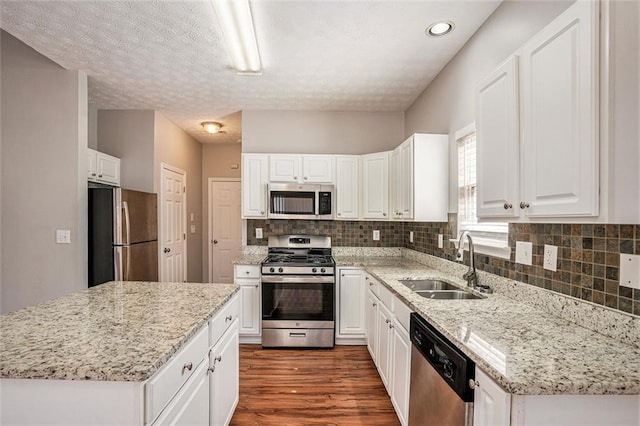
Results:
x,y
44,187
129,135
175,147
92,138
321,132
448,103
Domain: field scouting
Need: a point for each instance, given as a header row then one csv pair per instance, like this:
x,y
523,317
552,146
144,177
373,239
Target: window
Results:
x,y
492,234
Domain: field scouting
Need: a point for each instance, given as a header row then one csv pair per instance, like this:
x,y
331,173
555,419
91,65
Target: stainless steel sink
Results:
x,y
447,294
419,285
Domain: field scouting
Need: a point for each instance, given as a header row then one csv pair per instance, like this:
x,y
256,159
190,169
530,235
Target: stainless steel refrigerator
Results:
x,y
123,235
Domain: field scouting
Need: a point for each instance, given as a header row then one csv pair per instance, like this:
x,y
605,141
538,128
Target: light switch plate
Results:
x,y
524,253
63,236
193,229
191,217
376,235
440,241
410,236
258,232
550,261
630,270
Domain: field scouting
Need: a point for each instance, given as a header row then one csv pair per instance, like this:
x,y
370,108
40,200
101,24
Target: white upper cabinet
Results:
x,y
420,178
301,168
550,168
347,186
375,185
561,115
255,175
497,139
103,168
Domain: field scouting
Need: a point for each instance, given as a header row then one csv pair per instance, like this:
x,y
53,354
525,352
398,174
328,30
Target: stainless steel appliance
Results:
x,y
308,201
440,392
298,292
123,235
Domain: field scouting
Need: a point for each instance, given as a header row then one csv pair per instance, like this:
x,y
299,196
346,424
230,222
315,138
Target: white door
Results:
x,y
173,237
225,229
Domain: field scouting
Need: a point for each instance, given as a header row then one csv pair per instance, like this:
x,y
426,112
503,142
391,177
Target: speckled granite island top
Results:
x,y
117,331
525,350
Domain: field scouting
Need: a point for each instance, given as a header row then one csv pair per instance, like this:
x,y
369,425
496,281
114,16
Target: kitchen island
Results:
x,y
120,352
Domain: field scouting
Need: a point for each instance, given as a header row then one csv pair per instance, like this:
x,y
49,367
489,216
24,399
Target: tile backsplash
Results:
x,y
588,254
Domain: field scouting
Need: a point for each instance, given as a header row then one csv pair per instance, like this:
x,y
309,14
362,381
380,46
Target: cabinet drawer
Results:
x,y
372,284
402,312
168,380
385,296
247,271
223,319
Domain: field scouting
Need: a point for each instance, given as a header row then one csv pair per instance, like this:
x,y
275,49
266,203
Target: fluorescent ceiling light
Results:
x,y
237,26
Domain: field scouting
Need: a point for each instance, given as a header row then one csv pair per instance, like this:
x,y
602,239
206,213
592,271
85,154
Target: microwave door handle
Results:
x,y
317,203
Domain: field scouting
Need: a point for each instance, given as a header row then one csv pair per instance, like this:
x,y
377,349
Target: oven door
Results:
x,y
298,301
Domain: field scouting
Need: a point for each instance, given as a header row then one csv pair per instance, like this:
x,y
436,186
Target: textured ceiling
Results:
x,y
316,54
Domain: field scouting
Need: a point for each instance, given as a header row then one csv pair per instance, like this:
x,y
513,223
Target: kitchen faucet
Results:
x,y
470,276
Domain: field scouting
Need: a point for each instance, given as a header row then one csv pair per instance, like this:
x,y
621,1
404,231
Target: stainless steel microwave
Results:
x,y
307,201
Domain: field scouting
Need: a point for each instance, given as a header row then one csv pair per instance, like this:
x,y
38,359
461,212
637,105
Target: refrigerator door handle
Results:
x,y
127,223
117,254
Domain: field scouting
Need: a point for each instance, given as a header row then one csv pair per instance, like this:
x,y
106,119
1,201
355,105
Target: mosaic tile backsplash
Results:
x,y
588,254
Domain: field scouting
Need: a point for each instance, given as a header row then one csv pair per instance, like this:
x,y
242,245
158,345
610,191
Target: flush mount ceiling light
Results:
x,y
237,26
211,127
438,29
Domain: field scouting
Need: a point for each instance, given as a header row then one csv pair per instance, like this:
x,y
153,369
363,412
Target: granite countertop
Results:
x,y
525,350
117,331
249,259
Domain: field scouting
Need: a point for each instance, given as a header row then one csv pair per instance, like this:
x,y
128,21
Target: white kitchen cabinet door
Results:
x,y
249,307
492,405
375,186
285,168
191,405
372,325
401,371
92,170
108,169
224,366
351,303
255,175
395,184
347,186
561,115
407,179
498,142
385,342
317,168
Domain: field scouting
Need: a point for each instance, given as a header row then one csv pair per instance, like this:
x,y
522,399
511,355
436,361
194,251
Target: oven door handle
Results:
x,y
298,279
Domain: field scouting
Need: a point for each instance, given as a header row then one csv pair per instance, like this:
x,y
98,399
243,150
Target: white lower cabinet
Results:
x,y
371,313
224,365
191,405
350,302
492,404
248,278
400,371
385,341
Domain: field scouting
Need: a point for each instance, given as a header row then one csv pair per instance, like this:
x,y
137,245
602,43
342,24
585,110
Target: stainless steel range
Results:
x,y
298,292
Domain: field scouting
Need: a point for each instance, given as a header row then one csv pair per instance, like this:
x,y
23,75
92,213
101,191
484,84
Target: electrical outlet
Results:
x,y
440,240
376,235
550,261
410,236
63,236
258,233
524,252
630,270
193,229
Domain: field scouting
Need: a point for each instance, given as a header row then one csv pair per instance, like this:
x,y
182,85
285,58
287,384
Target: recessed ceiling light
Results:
x,y
438,29
211,127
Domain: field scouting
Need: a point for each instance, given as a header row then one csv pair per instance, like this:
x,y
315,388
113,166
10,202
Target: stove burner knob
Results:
x,y
314,270
280,270
322,270
271,270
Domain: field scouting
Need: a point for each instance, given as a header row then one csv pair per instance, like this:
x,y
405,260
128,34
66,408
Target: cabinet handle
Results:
x,y
338,214
387,321
246,272
99,175
93,174
217,359
188,366
507,206
375,304
384,214
390,326
228,318
261,211
473,384
366,278
256,286
524,205
370,284
305,178
295,177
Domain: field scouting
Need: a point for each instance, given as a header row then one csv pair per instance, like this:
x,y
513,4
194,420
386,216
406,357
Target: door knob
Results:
x,y
215,241
167,249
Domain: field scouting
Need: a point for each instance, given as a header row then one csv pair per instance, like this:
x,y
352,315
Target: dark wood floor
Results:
x,y
338,386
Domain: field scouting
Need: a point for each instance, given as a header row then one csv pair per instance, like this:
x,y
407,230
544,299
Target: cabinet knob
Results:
x,y
256,286
188,366
524,205
375,304
473,384
93,174
507,206
228,318
261,211
295,177
338,214
247,272
384,214
305,178
390,326
99,175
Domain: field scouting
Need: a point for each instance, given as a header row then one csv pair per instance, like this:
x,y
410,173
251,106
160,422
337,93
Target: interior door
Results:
x,y
173,247
225,225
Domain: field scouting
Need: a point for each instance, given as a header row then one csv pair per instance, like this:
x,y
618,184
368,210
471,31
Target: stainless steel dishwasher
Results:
x,y
439,391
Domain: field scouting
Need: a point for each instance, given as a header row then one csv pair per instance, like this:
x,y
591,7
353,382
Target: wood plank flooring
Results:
x,y
338,386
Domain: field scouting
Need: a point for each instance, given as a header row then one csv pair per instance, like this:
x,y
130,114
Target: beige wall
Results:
x,y
129,135
448,103
175,147
44,187
92,140
217,161
321,132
